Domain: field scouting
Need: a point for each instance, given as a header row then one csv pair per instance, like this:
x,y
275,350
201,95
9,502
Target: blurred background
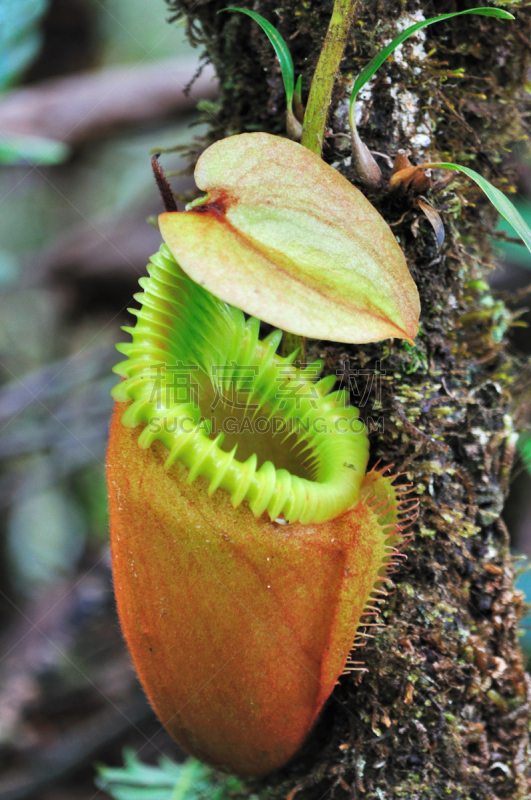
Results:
x,y
88,90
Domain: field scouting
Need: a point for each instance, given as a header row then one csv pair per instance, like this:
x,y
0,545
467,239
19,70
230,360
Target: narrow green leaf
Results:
x,y
281,49
298,88
375,63
297,94
501,203
19,148
524,447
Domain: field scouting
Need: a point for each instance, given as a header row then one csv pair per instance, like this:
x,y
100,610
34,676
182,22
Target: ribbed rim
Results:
x,y
183,331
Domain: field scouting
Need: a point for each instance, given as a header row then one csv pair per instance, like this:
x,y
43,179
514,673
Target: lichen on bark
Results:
x,y
444,708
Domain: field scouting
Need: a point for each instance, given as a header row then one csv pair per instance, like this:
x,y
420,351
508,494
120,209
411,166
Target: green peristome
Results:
x,y
231,410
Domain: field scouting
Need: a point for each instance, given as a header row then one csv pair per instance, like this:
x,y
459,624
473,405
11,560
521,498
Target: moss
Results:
x,y
444,709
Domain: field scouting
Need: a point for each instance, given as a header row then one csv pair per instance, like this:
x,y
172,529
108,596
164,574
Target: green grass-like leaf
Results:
x,y
511,251
19,148
501,203
375,63
281,49
167,781
297,95
524,448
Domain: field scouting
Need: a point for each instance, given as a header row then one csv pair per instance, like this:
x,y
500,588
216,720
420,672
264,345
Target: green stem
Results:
x,y
325,74
318,104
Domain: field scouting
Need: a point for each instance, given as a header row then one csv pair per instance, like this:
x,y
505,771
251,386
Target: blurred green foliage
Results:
x,y
167,781
523,583
511,251
56,344
18,148
138,32
20,41
73,242
20,37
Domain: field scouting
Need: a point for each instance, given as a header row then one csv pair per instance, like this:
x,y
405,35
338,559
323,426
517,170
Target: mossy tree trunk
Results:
x,y
444,709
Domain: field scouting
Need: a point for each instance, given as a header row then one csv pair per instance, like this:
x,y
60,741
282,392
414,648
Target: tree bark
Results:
x,y
444,708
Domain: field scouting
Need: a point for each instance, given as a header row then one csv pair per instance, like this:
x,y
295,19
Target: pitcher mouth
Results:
x,y
250,422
